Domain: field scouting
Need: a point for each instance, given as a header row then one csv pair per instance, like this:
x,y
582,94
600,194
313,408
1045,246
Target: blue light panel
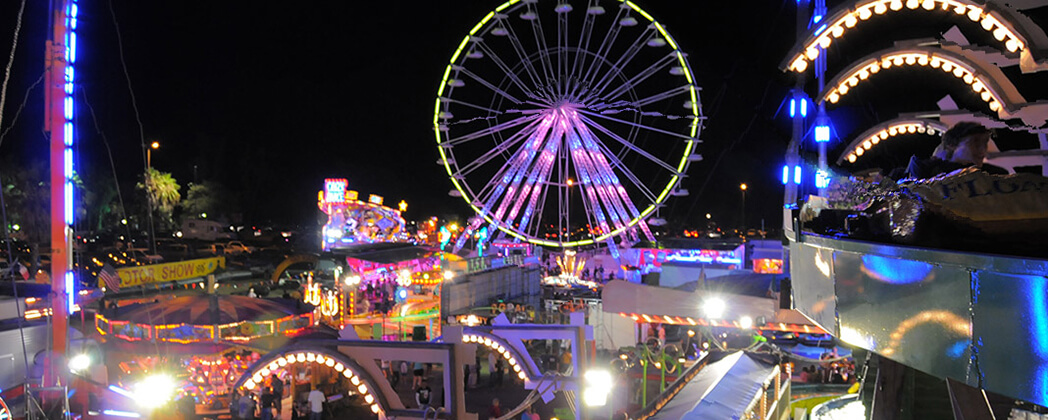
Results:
x,y
822,133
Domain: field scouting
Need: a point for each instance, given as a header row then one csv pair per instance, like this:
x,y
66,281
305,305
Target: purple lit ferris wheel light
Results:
x,y
565,126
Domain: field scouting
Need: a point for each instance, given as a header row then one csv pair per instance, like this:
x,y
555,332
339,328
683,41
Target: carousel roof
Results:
x,y
211,310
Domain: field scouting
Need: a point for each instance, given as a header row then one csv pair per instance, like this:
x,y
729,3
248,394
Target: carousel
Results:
x,y
204,343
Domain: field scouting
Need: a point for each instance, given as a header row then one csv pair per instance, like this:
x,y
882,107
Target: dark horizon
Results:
x,y
270,100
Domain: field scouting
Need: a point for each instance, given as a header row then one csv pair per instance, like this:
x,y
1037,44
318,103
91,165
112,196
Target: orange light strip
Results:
x,y
991,21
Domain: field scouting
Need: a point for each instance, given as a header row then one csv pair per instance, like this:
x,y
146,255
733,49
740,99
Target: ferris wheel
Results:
x,y
565,125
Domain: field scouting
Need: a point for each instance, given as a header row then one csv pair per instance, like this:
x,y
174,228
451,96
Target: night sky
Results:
x,y
270,98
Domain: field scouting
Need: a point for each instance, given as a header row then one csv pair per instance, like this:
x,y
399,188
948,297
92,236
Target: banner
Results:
x,y
160,273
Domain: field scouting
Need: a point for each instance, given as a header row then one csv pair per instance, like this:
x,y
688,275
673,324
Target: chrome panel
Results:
x,y
1011,330
914,312
811,278
978,318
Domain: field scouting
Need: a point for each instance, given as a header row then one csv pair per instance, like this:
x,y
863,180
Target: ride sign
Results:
x,y
158,273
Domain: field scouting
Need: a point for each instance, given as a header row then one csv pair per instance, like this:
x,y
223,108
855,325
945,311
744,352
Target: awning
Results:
x,y
722,390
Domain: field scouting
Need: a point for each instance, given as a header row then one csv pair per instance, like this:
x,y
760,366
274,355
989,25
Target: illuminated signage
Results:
x,y
335,190
159,273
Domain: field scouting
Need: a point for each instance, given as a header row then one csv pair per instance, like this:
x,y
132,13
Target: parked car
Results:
x,y
237,247
213,249
144,256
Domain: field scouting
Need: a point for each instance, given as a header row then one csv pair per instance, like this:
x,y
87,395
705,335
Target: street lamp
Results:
x,y
149,153
571,183
149,187
742,187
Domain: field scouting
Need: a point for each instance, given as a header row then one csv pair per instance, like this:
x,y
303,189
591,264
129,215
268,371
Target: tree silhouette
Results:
x,y
162,192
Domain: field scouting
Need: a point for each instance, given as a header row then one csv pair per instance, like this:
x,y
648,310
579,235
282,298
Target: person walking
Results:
x,y
246,407
278,394
404,370
498,371
418,372
316,404
496,410
267,403
491,368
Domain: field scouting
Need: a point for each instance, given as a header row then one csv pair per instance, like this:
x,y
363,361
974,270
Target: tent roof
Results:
x,y
625,297
197,310
722,390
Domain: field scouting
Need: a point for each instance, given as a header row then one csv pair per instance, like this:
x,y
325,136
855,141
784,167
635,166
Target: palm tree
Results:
x,y
162,191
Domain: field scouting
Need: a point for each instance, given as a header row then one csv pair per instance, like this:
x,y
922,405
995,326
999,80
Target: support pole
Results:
x,y
59,115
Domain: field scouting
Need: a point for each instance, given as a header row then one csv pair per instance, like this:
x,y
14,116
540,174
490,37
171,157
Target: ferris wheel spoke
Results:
x,y
489,85
658,97
498,149
580,58
638,78
607,185
562,50
518,164
543,52
522,55
591,182
601,152
529,91
633,124
605,45
620,64
538,174
548,150
458,141
474,106
628,144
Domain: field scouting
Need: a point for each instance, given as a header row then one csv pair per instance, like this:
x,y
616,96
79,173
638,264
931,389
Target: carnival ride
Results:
x,y
352,221
526,114
204,342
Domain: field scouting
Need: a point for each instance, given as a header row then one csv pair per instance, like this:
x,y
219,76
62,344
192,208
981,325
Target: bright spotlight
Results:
x,y
714,307
598,386
79,363
154,391
745,322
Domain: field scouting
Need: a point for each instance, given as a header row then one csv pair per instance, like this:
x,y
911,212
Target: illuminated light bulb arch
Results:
x,y
502,349
871,138
987,86
362,383
847,16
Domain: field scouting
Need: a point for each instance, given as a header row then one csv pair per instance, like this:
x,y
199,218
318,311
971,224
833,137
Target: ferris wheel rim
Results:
x,y
472,198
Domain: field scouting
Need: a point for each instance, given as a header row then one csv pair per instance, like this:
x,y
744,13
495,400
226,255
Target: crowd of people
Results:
x,y
832,370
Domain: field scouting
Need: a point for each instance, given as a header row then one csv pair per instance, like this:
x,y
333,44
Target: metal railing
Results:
x,y
776,388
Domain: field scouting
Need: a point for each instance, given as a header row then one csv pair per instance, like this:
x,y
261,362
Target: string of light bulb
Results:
x,y
870,138
263,370
947,61
502,349
821,37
